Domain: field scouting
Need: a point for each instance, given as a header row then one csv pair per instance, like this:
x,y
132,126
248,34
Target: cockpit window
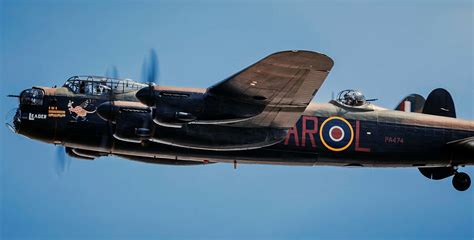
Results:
x,y
351,97
91,85
72,85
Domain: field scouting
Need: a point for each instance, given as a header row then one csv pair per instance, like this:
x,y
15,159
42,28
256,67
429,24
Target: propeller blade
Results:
x,y
153,71
115,73
62,161
144,70
112,72
150,68
106,139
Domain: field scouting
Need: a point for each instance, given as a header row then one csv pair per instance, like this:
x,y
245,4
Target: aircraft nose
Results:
x,y
13,119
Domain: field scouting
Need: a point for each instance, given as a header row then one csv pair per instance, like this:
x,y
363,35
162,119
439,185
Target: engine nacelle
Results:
x,y
163,161
173,108
133,121
134,126
84,154
219,137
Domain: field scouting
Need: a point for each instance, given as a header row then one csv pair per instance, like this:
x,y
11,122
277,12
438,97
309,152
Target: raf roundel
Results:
x,y
336,134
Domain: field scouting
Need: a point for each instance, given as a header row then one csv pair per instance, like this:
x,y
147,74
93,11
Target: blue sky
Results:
x,y
387,49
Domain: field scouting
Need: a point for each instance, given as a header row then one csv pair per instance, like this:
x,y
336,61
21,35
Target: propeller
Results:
x,y
150,76
62,161
112,72
150,68
116,126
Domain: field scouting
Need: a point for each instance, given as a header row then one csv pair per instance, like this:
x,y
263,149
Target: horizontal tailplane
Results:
x,y
411,103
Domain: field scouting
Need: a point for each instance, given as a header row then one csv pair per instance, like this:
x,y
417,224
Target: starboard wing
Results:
x,y
283,83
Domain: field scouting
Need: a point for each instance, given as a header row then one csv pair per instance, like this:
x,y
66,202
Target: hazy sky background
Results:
x,y
387,50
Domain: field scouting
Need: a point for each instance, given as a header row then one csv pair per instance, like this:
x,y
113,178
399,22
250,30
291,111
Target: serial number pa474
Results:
x,y
394,140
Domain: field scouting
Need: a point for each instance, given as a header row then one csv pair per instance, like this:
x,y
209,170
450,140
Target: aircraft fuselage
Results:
x,y
326,134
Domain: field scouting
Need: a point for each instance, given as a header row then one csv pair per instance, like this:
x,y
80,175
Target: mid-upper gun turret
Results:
x,y
352,98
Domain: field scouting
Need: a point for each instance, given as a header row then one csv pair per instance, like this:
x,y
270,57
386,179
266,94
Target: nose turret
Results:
x,y
32,97
31,117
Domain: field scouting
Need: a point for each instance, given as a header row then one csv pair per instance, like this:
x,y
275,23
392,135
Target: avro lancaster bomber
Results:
x,y
260,115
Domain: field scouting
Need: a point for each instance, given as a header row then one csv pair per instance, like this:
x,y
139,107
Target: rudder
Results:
x,y
440,103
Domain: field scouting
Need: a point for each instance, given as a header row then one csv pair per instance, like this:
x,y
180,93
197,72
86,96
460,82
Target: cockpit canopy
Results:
x,y
94,85
350,97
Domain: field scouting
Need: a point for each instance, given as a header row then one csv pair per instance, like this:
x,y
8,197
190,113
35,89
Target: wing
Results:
x,y
284,83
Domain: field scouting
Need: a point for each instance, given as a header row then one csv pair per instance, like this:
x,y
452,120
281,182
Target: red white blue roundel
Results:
x,y
336,134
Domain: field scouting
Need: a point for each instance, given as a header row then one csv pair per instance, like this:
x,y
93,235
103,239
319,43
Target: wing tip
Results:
x,y
317,60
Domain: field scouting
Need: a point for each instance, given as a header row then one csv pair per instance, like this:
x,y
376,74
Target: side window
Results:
x,y
101,89
73,85
82,87
89,88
